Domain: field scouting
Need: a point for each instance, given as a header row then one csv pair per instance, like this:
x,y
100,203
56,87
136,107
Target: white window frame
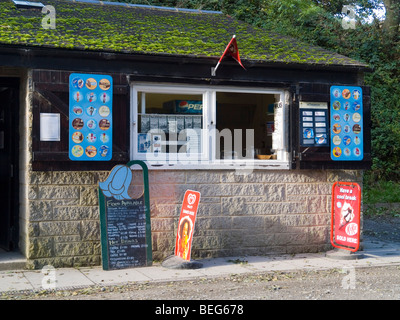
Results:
x,y
206,159
156,88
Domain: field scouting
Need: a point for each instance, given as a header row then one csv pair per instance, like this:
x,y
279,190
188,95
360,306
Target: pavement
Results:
x,y
375,253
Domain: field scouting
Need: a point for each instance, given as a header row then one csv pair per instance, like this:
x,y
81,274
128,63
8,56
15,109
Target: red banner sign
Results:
x,y
345,224
187,219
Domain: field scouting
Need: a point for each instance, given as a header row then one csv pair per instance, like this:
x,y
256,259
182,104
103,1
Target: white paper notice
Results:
x,y
50,127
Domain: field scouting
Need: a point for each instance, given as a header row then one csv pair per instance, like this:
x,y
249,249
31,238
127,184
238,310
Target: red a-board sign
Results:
x,y
345,224
184,236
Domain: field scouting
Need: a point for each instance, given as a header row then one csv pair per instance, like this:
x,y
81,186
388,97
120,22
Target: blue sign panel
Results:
x,y
90,117
346,123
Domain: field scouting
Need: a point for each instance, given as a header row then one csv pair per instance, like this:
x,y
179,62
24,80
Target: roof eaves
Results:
x,y
182,59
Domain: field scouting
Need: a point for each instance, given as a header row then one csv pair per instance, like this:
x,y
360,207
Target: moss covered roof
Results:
x,y
144,30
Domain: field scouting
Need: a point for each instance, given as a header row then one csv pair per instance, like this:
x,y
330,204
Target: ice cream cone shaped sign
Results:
x,y
187,220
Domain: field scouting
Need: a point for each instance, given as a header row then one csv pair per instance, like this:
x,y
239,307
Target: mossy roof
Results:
x,y
144,30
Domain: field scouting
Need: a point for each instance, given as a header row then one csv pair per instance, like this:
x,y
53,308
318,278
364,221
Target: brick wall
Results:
x,y
266,212
63,226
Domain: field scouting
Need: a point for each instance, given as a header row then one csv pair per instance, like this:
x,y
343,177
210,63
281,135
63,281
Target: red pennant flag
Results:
x,y
231,50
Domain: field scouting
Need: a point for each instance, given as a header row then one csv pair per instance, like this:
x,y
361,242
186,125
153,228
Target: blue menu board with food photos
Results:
x,y
346,123
90,117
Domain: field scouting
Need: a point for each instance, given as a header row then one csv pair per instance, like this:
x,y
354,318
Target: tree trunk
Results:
x,y
392,21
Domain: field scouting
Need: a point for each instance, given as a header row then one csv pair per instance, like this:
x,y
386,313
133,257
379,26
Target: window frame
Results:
x,y
207,160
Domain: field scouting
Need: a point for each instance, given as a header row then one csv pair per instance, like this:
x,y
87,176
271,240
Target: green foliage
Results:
x,y
382,192
319,23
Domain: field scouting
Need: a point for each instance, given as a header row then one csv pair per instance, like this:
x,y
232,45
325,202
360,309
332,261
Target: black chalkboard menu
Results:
x,y
125,229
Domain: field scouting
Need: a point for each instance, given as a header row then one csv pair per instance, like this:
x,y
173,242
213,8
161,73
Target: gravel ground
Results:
x,y
382,283
383,228
373,283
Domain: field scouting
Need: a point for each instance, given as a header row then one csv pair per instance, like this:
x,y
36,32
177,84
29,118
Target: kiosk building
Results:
x,y
263,145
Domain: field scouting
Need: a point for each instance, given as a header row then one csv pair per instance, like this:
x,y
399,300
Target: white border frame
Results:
x,y
167,89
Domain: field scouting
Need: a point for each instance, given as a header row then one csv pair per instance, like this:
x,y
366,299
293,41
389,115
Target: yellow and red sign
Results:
x,y
187,220
345,224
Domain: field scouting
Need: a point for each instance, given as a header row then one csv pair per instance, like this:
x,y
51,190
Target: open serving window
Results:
x,y
208,125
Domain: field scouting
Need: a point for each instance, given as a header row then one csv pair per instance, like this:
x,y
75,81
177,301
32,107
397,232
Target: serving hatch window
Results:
x,y
244,114
208,125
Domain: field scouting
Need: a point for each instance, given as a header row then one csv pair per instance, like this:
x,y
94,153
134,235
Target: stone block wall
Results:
x,y
63,226
266,212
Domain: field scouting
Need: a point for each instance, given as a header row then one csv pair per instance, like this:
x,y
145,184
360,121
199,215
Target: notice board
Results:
x,y
347,127
314,130
90,117
124,222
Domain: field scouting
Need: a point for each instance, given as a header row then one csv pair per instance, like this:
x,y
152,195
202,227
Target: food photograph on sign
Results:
x,y
185,232
90,130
